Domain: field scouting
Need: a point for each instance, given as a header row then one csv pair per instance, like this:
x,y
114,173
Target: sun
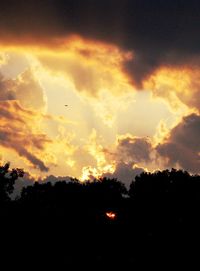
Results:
x,y
111,215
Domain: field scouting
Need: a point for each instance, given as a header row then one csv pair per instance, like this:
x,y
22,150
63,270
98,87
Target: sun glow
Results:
x,y
111,215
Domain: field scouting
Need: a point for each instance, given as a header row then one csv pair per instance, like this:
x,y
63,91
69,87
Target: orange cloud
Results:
x,y
119,161
25,88
91,65
94,69
22,131
18,131
3,58
179,86
29,92
98,153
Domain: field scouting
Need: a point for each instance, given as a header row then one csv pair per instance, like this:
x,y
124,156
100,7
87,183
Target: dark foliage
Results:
x,y
156,223
7,181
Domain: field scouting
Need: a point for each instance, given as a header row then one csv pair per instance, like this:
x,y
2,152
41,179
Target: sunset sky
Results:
x,y
129,73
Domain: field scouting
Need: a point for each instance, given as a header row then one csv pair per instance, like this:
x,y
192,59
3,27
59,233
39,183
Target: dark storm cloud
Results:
x,y
129,152
160,32
180,149
135,149
183,145
125,173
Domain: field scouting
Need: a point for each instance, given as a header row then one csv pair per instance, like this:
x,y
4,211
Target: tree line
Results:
x,y
158,216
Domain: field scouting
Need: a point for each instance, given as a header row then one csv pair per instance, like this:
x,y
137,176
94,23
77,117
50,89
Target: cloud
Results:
x,y
25,88
18,132
24,127
21,130
128,153
177,85
28,91
125,173
53,179
92,66
22,107
94,54
99,161
160,33
182,147
119,162
3,59
135,149
6,91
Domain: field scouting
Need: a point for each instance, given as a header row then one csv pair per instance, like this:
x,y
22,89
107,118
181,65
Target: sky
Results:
x,y
128,72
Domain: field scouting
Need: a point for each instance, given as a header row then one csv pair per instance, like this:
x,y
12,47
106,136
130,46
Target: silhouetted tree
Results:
x,y
7,181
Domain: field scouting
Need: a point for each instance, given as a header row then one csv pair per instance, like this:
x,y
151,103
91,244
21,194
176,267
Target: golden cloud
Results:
x,y
22,131
179,86
96,71
3,58
97,151
24,126
19,132
28,91
25,88
119,161
91,65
